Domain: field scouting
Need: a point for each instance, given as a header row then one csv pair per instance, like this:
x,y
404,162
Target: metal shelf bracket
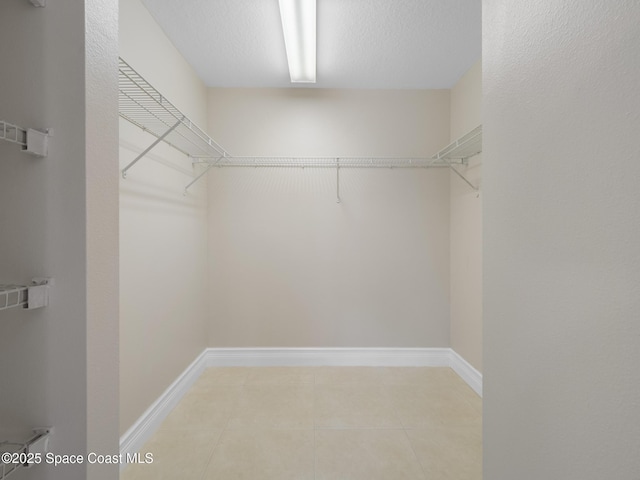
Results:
x,y
150,147
454,170
204,172
461,150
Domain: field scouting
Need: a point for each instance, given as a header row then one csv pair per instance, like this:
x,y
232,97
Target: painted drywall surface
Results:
x,y
163,234
45,232
466,102
146,48
561,233
291,267
466,225
101,78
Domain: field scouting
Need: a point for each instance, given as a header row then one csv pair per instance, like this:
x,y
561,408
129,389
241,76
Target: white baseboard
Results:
x,y
134,438
146,425
470,375
315,357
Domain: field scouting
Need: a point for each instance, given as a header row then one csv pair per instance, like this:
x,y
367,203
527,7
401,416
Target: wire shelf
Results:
x,y
148,109
26,453
463,148
145,107
328,162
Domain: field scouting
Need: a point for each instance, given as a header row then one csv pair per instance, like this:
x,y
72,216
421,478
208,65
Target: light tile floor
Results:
x,y
320,423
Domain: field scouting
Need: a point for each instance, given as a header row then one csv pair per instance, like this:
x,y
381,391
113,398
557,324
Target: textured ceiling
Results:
x,y
360,44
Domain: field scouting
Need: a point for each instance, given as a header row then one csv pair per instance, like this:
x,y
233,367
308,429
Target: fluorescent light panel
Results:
x,y
299,26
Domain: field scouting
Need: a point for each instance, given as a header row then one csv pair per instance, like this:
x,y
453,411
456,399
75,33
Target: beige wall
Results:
x,y
163,238
59,363
291,267
102,232
466,225
562,229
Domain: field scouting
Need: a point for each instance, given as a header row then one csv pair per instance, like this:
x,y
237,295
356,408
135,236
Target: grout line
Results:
x,y
213,451
406,434
424,473
224,429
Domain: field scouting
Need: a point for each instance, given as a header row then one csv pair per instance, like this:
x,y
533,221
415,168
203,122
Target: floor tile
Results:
x,y
422,376
372,454
284,406
264,454
321,423
198,410
350,375
221,376
176,454
339,406
281,376
449,453
420,407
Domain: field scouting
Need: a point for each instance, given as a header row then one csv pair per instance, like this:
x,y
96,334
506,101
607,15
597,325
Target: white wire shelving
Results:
x,y
457,153
142,105
331,162
24,454
465,147
145,107
460,151
30,297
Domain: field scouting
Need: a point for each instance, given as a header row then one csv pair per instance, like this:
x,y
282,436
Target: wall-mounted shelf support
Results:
x,y
30,140
149,148
29,297
460,151
25,452
204,172
453,169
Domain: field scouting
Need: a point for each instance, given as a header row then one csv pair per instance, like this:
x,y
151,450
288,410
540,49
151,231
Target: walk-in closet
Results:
x,y
318,239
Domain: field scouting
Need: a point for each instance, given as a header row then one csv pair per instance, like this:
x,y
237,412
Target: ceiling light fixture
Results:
x,y
299,26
